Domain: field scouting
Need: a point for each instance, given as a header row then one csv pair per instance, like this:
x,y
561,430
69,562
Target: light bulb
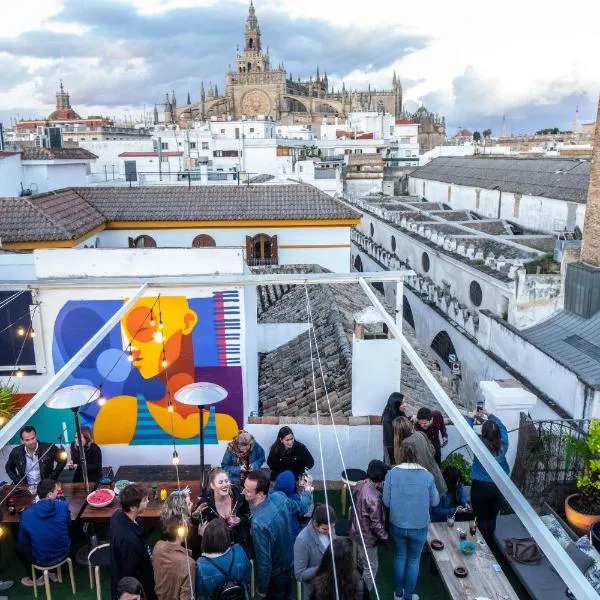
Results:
x,y
62,454
101,400
130,356
19,373
2,420
175,457
20,331
1,531
160,325
182,531
164,363
170,407
152,322
32,333
158,337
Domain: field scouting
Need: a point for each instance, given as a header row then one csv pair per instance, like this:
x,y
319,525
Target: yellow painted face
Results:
x,y
145,326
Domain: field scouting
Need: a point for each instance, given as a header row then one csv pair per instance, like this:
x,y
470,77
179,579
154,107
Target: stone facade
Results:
x,y
590,253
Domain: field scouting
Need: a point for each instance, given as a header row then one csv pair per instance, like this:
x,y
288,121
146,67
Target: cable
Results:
x,y
16,368
310,325
8,300
337,439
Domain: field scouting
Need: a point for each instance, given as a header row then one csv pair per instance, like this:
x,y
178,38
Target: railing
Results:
x,y
262,262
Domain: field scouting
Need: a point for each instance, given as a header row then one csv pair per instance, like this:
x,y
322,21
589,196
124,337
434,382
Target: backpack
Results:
x,y
230,589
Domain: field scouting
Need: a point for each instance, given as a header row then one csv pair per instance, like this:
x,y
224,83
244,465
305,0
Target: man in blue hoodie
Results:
x,y
298,504
44,530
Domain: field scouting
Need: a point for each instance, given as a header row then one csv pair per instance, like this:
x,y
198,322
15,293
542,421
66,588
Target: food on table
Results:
x,y
100,498
119,485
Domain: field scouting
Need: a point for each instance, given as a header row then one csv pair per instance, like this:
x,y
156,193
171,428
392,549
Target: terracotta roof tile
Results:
x,y
56,154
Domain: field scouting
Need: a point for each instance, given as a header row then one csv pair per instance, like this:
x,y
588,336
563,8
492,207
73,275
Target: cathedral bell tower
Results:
x,y
252,60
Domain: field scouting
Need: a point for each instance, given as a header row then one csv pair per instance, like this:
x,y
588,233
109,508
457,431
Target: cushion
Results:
x,y
581,559
556,529
593,573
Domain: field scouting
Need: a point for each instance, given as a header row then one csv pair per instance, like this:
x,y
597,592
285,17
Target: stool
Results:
x,y
298,590
98,557
350,477
45,570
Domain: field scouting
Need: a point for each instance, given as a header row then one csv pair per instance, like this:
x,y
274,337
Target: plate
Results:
x,y
437,544
119,485
461,572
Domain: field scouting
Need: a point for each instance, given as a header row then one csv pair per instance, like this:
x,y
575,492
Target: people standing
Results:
x,y
392,409
243,454
93,457
221,563
272,538
298,501
310,545
44,531
174,568
129,551
431,423
346,582
33,460
288,454
369,519
485,496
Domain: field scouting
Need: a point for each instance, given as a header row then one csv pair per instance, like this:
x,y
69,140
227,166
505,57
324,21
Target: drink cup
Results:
x,y
450,521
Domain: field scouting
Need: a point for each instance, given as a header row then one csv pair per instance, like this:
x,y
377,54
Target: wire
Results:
x,y
26,337
8,300
20,318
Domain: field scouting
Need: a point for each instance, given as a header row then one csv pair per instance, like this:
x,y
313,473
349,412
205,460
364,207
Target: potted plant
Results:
x,y
8,403
583,508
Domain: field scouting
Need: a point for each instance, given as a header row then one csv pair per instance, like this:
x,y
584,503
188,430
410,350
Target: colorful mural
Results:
x,y
199,340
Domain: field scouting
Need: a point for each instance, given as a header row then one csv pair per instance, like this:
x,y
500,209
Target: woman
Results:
x,y
129,588
455,501
243,455
288,454
93,457
220,561
227,503
485,496
390,412
404,435
409,492
350,584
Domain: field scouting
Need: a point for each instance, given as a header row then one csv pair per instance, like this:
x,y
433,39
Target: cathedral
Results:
x,y
255,87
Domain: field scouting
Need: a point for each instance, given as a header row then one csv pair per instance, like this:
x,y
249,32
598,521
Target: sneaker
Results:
x,y
27,581
6,585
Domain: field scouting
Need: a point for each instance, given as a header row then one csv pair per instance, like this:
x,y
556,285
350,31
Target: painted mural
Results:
x,y
174,341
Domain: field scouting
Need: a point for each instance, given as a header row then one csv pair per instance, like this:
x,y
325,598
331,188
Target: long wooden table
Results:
x,y
485,579
75,494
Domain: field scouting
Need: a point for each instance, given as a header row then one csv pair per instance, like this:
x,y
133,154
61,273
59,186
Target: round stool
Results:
x,y
350,477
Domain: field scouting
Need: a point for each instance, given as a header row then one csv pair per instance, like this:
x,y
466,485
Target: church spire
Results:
x,y
252,31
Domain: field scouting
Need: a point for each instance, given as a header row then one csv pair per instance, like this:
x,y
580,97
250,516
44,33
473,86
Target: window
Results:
x,y
371,229
164,145
222,132
204,145
407,314
203,241
425,262
393,240
143,241
225,153
164,159
475,293
358,266
405,140
442,345
261,250
251,129
16,341
192,145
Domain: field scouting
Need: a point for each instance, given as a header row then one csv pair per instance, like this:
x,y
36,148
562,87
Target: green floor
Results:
x,y
430,585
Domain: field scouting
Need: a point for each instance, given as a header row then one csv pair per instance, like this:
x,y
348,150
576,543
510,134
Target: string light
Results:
x,y
21,331
32,333
19,373
62,453
130,355
175,457
170,407
2,420
182,531
164,363
158,337
1,531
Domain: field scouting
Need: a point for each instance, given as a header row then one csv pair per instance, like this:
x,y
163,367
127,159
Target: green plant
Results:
x,y
456,459
8,402
588,484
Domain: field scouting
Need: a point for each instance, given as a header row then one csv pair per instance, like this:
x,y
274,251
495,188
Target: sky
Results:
x,y
468,60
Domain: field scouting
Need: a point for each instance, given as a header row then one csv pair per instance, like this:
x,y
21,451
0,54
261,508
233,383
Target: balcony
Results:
x,y
262,262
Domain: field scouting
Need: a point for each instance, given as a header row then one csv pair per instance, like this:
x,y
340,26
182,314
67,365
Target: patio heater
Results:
x,y
201,394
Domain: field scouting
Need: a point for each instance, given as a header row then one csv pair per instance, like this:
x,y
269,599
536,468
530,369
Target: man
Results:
x,y
129,552
369,519
44,531
174,568
272,537
431,423
33,461
310,545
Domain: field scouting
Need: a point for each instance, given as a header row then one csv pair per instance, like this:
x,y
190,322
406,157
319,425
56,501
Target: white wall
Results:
x,y
54,175
273,335
10,175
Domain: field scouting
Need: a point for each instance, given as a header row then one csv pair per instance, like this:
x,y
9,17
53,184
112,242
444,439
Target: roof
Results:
x,y
72,212
53,216
56,154
6,154
150,154
370,158
63,114
561,179
572,341
285,374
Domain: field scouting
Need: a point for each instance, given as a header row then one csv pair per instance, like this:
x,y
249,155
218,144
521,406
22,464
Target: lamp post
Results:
x,y
201,394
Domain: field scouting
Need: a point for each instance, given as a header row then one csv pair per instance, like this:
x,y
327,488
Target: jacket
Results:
x,y
177,571
209,578
232,465
44,531
390,412
298,504
477,471
409,492
361,592
93,461
47,455
369,514
272,538
129,553
425,457
434,431
449,502
297,459
308,552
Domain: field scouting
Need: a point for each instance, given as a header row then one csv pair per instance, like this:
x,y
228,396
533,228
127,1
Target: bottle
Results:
x,y
154,490
12,508
163,495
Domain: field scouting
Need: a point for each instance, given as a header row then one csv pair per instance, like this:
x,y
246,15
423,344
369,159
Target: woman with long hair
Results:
x,y
243,454
93,457
485,496
409,492
288,454
455,500
350,584
390,412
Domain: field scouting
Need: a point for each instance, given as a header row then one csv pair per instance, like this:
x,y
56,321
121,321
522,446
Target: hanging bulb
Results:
x,y
101,400
170,408
19,373
1,531
164,362
130,356
62,453
158,337
32,333
21,331
2,420
161,325
175,457
182,531
152,322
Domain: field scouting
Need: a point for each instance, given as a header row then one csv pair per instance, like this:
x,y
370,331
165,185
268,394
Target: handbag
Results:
x,y
523,550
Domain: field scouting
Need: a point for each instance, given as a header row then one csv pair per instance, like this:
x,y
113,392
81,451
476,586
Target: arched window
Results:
x,y
442,345
203,241
393,240
143,241
475,293
407,313
371,229
358,266
250,43
425,262
261,250
249,67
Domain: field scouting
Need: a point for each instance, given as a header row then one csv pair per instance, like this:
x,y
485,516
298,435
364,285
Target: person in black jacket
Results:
x,y
288,454
33,461
129,551
390,412
93,457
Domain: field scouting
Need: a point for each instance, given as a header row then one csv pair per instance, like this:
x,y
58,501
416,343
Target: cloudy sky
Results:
x,y
469,60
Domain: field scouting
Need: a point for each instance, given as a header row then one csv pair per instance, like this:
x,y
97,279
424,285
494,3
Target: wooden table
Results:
x,y
154,506
75,494
152,473
482,581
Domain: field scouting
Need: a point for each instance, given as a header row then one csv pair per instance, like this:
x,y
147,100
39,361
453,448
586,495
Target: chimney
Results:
x,y
582,283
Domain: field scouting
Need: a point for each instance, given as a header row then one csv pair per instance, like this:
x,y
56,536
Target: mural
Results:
x,y
199,341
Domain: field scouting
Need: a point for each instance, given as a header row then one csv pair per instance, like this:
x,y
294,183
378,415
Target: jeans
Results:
x,y
407,557
373,560
281,586
486,500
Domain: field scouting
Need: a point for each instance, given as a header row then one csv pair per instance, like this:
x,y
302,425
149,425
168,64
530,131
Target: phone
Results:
x,y
479,406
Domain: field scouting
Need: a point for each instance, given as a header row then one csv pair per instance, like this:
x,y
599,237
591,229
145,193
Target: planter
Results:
x,y
579,521
595,535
